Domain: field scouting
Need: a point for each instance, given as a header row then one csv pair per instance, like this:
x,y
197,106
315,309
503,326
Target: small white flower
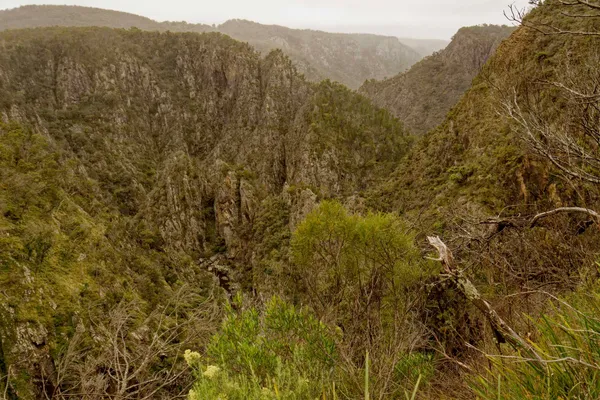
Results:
x,y
192,358
211,371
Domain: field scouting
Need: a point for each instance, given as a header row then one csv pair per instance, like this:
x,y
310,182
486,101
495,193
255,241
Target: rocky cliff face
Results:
x,y
173,149
346,58
191,122
422,96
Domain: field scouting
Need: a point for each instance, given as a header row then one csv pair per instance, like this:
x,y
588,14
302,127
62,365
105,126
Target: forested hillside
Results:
x,y
422,96
182,216
47,16
346,58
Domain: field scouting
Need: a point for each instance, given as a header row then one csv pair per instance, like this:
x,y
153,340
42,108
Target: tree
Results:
x,y
361,274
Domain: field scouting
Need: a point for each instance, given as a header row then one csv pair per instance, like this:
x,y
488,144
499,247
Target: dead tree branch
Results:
x,y
565,210
469,290
586,10
124,355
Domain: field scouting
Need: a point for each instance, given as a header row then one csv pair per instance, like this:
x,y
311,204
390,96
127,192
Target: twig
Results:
x,y
565,210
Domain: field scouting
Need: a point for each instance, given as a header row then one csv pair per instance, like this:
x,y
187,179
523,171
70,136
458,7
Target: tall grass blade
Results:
x,y
416,389
367,376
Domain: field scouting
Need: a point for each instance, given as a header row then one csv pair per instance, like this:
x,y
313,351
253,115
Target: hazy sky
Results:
x,y
414,18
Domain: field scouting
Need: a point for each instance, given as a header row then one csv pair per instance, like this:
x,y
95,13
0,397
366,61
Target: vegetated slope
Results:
x,y
39,16
422,96
475,154
137,164
47,15
346,58
474,181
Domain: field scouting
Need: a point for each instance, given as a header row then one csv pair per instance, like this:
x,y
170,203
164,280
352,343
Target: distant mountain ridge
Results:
x,y
35,16
348,58
343,57
422,96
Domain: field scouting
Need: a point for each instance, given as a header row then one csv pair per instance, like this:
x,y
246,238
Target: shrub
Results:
x,y
282,352
365,275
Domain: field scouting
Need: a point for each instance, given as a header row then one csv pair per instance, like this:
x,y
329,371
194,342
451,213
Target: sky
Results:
x,y
438,19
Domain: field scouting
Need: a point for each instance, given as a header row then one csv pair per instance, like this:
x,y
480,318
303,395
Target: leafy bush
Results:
x,y
336,253
280,353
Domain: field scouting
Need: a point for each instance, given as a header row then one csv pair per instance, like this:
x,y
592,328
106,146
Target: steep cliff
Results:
x,y
346,58
422,96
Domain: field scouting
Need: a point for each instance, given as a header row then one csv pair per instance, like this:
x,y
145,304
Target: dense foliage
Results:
x,y
68,266
362,273
278,353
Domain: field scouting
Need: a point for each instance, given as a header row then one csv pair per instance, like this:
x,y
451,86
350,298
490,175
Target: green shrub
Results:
x,y
335,251
415,367
280,353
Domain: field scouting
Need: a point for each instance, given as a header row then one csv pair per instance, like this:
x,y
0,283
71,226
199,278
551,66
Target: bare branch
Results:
x,y
518,16
445,254
581,3
472,294
573,145
7,385
565,210
128,359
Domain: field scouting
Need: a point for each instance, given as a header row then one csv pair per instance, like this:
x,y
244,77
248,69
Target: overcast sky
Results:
x,y
411,18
